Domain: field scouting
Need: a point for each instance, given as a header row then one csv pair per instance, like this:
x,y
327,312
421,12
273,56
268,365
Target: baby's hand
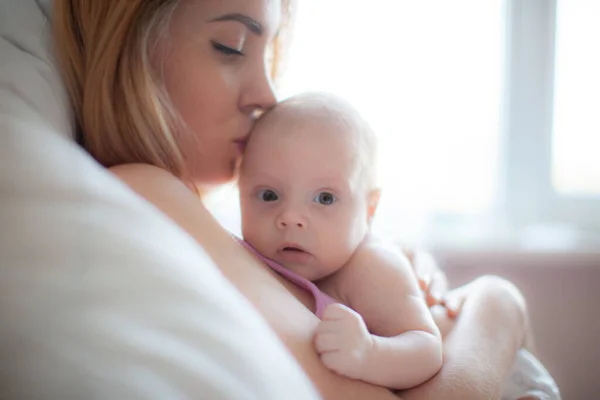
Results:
x,y
342,340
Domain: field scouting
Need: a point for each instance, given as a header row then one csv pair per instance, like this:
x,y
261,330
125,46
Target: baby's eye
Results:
x,y
267,195
325,198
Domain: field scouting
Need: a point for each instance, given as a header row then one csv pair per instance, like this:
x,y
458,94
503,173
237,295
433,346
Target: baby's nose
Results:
x,y
290,219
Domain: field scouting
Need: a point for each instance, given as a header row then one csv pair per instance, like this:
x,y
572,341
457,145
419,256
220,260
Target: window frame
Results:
x,y
526,187
527,213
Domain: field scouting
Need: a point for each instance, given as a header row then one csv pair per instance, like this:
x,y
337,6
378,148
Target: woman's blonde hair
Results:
x,y
121,109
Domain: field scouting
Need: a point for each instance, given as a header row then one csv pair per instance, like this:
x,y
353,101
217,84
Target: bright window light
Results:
x,y
576,144
428,76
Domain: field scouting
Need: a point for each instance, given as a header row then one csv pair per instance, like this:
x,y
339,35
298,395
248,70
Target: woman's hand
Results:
x,y
445,305
434,284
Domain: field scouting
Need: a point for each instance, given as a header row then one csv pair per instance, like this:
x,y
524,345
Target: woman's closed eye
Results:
x,y
325,198
226,50
267,195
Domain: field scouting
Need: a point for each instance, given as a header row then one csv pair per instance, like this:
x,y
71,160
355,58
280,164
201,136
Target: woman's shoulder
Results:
x,y
171,196
145,176
160,187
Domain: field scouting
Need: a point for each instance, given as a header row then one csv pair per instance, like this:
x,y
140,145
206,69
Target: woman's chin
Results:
x,y
207,185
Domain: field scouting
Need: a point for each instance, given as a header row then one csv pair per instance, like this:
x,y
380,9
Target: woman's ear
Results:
x,y
372,203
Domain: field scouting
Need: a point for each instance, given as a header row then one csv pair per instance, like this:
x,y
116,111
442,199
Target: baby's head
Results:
x,y
308,184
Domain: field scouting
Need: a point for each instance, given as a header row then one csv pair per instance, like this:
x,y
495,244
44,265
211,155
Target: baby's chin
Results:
x,y
310,271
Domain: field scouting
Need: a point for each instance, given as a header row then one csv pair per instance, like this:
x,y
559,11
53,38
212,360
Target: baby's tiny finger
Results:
x,y
452,309
330,326
427,280
432,299
334,312
326,342
332,361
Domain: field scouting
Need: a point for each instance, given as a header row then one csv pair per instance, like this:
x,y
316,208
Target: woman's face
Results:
x,y
216,72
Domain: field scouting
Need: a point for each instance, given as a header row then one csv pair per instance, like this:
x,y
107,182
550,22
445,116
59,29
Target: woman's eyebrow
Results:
x,y
252,25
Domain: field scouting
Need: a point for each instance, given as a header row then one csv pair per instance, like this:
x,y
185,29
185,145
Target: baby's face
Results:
x,y
302,200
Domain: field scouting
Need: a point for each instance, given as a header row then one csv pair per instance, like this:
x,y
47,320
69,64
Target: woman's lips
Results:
x,y
241,145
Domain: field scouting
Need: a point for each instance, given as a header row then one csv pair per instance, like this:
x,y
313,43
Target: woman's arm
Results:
x,y
480,350
283,305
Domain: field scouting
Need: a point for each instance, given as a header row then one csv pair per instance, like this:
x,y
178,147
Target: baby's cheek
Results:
x,y
338,250
251,222
257,237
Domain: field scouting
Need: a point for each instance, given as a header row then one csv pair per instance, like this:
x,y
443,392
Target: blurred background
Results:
x,y
488,117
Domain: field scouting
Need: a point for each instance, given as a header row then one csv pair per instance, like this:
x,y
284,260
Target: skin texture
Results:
x,y
217,95
306,205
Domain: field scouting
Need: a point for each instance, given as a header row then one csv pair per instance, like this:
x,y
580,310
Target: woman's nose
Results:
x,y
259,95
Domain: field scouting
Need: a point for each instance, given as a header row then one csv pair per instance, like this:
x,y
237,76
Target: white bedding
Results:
x,y
101,297
529,378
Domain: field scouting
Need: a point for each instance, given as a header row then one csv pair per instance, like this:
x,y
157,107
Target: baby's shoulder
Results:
x,y
374,264
375,254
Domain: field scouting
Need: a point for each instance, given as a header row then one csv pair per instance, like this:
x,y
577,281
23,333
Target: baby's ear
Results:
x,y
372,203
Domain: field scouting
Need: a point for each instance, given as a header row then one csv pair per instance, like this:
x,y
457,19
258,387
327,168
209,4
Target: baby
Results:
x,y
308,194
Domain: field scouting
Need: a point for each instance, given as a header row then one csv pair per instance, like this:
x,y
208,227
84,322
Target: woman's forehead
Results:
x,y
260,16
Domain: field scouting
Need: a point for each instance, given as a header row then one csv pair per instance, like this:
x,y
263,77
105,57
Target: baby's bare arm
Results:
x,y
380,285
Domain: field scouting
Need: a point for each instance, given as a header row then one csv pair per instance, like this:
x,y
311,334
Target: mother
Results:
x,y
165,94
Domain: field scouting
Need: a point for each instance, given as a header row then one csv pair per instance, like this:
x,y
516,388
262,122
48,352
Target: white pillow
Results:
x,y
101,296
